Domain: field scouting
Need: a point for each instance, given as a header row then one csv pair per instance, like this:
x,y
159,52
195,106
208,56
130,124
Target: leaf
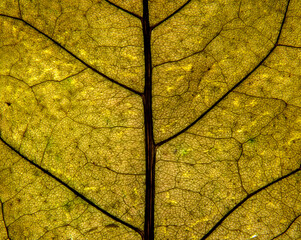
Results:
x,y
150,119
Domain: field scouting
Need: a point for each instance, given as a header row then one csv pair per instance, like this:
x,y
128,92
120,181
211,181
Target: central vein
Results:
x,y
150,149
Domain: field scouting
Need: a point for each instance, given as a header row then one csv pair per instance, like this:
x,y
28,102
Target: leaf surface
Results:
x,y
150,119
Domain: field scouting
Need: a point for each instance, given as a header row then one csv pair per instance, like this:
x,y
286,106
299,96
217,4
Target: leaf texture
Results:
x,y
150,119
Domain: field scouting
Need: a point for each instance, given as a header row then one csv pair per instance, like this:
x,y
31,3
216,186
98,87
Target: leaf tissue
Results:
x,y
150,120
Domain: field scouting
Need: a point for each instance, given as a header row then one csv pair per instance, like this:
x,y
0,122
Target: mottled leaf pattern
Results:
x,y
150,120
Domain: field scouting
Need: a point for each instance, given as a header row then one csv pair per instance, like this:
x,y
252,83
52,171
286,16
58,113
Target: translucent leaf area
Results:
x,y
150,120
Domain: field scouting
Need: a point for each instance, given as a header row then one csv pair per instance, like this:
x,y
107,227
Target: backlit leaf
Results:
x,y
150,119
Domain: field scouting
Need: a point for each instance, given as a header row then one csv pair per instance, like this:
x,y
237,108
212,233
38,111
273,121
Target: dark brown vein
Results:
x,y
288,227
124,10
174,13
232,89
244,200
289,46
192,54
3,219
217,102
78,194
283,21
150,150
73,55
